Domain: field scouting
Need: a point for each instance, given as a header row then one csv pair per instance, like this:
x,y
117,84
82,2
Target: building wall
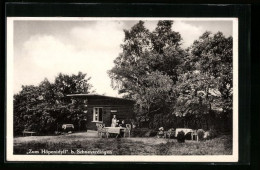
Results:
x,y
124,111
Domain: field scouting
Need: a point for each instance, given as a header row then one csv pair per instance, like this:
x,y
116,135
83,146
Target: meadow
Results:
x,y
221,145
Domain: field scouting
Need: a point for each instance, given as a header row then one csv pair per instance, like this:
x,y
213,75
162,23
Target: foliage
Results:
x,y
170,84
212,54
192,94
200,134
44,108
170,133
143,132
213,133
181,137
206,84
188,136
147,68
140,132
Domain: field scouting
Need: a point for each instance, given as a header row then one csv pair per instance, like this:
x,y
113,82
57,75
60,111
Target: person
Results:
x,y
114,121
122,124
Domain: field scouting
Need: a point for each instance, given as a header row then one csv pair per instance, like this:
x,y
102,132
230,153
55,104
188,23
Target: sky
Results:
x,y
43,49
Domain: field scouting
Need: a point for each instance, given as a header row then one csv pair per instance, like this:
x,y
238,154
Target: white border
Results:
x,y
133,158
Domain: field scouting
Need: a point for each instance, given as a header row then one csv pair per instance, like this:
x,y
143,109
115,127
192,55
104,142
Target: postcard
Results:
x,y
122,89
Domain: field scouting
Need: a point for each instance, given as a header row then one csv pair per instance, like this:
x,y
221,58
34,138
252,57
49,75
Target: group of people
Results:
x,y
116,123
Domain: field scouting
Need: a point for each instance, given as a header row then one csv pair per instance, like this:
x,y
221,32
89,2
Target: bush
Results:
x,y
147,134
150,133
213,133
188,136
57,133
140,132
181,137
153,133
200,133
170,133
143,132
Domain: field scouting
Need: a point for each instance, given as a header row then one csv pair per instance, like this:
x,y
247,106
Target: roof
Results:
x,y
97,95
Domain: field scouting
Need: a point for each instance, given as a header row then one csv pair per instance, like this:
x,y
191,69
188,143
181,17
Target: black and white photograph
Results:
x,y
122,89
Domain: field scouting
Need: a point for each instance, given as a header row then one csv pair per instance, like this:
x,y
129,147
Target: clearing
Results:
x,y
221,145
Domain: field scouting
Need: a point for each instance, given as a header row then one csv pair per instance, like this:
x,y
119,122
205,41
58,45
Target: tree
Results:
x,y
167,81
40,108
148,67
206,70
194,98
214,55
155,93
66,84
130,65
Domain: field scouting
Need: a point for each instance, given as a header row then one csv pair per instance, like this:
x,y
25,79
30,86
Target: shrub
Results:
x,y
147,134
170,133
213,133
57,133
181,137
139,132
188,136
143,132
153,133
200,133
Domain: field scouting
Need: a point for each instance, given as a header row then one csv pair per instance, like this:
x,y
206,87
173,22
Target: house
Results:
x,y
100,109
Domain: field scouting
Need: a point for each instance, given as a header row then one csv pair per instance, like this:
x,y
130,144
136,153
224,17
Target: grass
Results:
x,y
218,146
124,146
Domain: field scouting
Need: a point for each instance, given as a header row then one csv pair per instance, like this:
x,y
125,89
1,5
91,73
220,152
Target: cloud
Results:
x,y
188,32
87,47
150,25
105,35
90,49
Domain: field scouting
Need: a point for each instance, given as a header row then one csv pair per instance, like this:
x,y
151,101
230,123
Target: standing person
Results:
x,y
114,121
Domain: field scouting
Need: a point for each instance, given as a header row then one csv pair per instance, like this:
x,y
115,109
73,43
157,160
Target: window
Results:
x,y
97,114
